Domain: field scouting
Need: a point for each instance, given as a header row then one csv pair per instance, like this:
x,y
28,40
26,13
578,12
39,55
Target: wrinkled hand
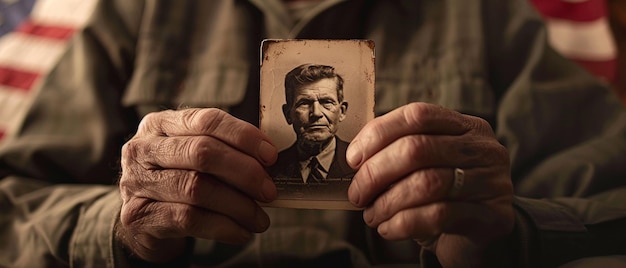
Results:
x,y
193,173
407,160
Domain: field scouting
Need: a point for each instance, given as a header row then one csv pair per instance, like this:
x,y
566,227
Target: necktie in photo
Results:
x,y
316,171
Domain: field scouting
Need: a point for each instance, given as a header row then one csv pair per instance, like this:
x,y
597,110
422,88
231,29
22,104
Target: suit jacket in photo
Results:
x,y
288,166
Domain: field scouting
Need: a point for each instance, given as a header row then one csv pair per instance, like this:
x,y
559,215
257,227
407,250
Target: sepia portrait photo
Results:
x,y
315,97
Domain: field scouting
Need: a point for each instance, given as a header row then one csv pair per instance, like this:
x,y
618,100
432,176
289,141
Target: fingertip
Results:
x,y
268,190
368,217
383,229
353,194
354,156
244,236
263,221
239,236
267,153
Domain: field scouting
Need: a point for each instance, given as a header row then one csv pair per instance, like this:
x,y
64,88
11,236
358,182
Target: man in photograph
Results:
x,y
314,107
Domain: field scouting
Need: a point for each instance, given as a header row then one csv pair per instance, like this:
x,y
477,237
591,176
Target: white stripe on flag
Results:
x,y
73,13
29,52
582,40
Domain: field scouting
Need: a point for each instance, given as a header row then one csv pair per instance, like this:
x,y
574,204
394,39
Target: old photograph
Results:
x,y
315,97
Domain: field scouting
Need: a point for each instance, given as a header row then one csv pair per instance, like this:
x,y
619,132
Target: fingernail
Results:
x,y
267,152
353,194
353,154
368,217
383,229
244,236
263,221
268,190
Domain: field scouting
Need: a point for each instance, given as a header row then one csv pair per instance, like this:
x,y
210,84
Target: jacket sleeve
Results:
x,y
566,133
58,159
56,226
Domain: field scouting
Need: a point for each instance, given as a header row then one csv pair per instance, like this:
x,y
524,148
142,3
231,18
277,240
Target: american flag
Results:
x,y
579,30
35,33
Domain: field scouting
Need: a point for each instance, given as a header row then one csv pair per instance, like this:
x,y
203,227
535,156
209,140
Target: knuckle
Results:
x,y
481,126
431,184
196,188
204,152
131,172
129,151
163,147
206,120
190,187
133,211
405,225
148,122
183,217
150,117
502,153
492,152
415,113
126,187
438,216
135,151
374,131
414,146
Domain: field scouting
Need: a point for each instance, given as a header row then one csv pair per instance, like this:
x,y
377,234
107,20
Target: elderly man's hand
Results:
x,y
193,173
406,181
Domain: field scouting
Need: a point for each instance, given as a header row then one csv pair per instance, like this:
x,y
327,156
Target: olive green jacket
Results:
x,y
565,131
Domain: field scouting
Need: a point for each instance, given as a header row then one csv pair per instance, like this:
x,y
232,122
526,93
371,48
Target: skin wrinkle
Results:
x,y
131,210
205,153
250,189
417,180
399,216
213,121
414,117
166,148
418,116
132,148
214,190
416,147
421,150
367,171
204,121
181,198
401,223
439,217
191,188
146,124
375,133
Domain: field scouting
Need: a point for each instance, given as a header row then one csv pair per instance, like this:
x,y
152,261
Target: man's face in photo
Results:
x,y
316,111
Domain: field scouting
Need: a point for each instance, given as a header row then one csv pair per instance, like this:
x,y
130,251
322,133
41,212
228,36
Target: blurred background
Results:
x,y
591,33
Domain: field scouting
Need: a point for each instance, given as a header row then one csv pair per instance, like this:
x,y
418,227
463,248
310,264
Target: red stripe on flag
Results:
x,y
579,11
604,69
17,78
47,31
